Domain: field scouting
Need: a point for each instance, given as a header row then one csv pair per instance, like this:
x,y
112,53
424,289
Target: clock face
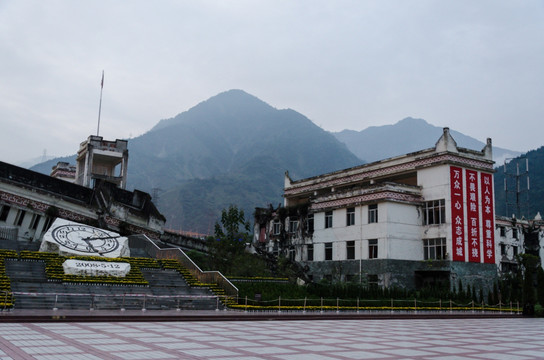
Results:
x,y
85,239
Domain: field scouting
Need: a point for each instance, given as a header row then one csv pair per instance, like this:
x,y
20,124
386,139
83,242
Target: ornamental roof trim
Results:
x,y
373,170
445,151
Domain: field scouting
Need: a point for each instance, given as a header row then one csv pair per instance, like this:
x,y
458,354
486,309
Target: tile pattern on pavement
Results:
x,y
442,339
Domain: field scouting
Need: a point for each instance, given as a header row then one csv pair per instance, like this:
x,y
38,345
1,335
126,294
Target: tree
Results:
x,y
530,264
231,221
540,288
227,247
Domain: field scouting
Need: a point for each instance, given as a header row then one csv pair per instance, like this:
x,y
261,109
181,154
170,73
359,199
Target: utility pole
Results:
x,y
100,104
517,175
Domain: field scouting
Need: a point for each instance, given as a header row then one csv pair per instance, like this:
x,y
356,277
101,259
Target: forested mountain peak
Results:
x,y
234,148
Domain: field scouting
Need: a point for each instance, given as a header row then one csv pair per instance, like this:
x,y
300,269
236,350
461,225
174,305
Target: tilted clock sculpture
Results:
x,y
86,239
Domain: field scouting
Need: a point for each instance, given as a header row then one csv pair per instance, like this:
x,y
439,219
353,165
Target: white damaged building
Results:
x,y
425,218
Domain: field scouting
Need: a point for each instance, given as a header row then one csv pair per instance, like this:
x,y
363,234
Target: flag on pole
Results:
x,y
100,104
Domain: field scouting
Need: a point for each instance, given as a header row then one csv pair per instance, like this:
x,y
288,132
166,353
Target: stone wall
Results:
x,y
404,273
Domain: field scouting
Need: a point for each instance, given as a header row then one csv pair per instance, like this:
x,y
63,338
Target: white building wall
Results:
x,y
322,235
398,232
510,242
319,251
10,220
343,232
339,250
404,241
435,183
378,229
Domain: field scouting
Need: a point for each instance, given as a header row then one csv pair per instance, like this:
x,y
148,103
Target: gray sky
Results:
x,y
475,66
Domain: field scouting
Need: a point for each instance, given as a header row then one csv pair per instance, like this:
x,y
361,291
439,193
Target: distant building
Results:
x,y
101,159
516,237
424,218
64,171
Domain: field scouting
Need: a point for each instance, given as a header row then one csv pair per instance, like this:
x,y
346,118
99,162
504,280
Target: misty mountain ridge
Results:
x,y
406,136
234,149
225,134
34,161
230,149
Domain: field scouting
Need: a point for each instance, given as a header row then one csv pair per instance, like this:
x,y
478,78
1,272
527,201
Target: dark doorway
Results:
x,y
432,279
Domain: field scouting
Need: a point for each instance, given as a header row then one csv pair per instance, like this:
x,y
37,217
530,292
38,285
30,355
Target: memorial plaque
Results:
x,y
70,238
95,268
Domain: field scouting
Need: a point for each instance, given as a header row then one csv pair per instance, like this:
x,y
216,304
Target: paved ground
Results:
x,y
444,339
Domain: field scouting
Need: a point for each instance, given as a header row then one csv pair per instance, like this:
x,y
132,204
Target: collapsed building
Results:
x,y
422,219
31,201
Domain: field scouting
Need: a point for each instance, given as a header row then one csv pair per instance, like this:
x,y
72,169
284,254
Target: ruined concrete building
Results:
x,y
30,201
99,159
425,218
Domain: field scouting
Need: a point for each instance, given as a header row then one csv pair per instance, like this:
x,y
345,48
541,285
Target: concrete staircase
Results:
x,y
167,290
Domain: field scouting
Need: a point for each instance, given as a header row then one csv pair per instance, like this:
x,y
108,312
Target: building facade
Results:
x,y
64,171
31,201
516,237
425,218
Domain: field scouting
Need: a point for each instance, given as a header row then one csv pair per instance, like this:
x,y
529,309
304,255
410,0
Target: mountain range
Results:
x,y
234,149
381,142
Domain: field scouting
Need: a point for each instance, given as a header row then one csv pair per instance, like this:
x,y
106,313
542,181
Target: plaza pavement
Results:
x,y
446,338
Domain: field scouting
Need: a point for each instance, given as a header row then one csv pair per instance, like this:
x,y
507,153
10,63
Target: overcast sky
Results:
x,y
475,66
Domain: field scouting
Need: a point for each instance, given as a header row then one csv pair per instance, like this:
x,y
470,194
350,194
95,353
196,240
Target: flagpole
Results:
x,y
100,105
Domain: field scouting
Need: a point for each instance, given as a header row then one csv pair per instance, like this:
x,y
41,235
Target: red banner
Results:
x,y
473,217
457,214
488,217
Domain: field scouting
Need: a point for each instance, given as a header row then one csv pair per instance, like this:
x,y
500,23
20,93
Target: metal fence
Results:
x,y
80,301
8,232
393,305
72,301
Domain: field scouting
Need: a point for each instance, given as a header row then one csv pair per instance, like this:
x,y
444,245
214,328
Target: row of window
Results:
x,y
20,217
434,212
503,232
372,215
350,250
350,216
433,249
